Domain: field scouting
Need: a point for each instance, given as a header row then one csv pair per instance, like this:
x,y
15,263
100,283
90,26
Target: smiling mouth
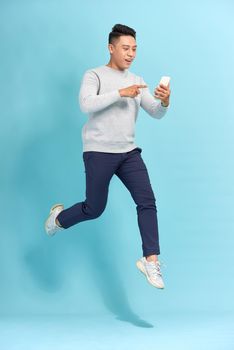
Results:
x,y
128,61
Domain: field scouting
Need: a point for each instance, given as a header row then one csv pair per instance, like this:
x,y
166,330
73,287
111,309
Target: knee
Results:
x,y
96,212
94,209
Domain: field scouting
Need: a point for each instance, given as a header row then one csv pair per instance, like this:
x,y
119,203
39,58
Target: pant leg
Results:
x,y
99,169
134,175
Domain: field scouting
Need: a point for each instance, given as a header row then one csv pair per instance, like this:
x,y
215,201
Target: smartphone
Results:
x,y
165,80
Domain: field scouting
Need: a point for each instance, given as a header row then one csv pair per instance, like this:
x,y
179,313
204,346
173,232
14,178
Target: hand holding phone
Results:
x,y
163,92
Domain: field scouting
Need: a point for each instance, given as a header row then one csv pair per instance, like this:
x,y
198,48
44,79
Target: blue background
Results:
x,y
81,288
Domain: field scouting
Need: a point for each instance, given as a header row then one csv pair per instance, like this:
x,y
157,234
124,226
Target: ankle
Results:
x,y
152,258
58,223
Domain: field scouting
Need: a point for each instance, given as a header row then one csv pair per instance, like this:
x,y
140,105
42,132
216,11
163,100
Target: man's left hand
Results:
x,y
163,92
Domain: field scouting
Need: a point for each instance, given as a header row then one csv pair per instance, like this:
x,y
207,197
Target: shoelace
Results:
x,y
155,267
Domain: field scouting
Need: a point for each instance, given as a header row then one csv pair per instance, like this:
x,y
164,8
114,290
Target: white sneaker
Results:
x,y
50,225
152,271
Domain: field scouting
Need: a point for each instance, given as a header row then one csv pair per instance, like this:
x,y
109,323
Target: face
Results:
x,y
123,51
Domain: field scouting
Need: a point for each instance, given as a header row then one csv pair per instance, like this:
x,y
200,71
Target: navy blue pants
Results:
x,y
132,171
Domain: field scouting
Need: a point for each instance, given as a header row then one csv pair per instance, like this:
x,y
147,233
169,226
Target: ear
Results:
x,y
110,47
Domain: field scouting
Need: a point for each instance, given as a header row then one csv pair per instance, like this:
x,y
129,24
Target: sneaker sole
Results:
x,y
141,267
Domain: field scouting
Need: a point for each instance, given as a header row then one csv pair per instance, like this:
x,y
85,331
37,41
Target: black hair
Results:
x,y
118,30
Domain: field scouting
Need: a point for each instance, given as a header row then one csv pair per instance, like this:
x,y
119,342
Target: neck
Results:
x,y
114,66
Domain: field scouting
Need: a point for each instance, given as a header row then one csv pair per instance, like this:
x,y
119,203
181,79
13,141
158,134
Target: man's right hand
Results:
x,y
131,91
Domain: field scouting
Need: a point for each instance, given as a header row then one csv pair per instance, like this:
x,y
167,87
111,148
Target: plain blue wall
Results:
x,y
45,48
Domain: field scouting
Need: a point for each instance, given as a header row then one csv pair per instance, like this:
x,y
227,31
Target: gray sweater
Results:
x,y
111,118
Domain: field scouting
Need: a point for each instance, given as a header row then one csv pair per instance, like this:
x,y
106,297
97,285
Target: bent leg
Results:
x,y
99,169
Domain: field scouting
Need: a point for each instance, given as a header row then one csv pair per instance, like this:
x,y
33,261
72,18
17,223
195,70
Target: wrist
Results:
x,y
164,104
120,92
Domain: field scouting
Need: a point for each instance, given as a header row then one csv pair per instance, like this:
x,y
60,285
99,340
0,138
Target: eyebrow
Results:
x,y
129,45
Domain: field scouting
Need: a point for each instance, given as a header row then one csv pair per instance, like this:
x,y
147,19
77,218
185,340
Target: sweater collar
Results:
x,y
117,71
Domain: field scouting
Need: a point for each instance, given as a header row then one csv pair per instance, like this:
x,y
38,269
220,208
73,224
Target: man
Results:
x,y
111,95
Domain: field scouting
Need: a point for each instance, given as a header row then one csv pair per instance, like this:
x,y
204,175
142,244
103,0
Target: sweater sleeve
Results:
x,y
150,104
89,101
